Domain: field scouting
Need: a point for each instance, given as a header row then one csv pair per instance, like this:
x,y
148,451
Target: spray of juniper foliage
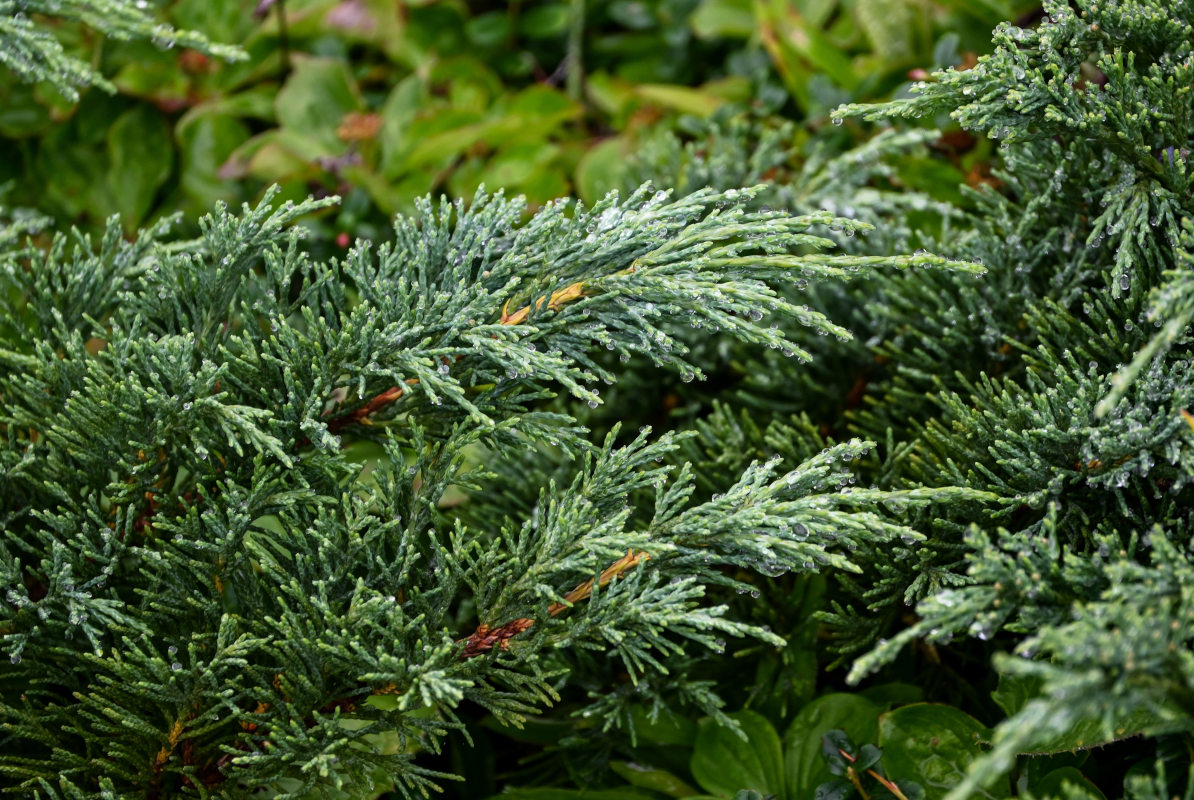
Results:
x,y
228,557
1061,382
32,52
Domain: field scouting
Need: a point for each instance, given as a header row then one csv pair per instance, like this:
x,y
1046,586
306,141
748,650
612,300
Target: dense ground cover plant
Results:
x,y
1059,382
228,559
1015,544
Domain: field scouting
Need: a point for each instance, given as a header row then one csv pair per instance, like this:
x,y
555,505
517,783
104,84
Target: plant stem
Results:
x,y
576,30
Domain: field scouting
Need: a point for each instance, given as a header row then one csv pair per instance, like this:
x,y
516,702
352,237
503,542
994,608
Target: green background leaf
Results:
x,y
930,744
723,763
804,766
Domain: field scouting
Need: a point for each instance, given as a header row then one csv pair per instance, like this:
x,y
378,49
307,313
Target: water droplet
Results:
x,y
163,37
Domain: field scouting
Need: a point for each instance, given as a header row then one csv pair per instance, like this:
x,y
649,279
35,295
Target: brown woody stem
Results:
x,y
485,638
887,784
394,393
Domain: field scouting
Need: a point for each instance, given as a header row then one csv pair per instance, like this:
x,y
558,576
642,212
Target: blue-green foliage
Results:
x,y
1071,376
1060,382
31,52
230,553
262,511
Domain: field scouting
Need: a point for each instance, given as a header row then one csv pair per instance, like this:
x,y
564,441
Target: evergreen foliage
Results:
x,y
1064,399
1060,383
228,556
34,54
282,524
